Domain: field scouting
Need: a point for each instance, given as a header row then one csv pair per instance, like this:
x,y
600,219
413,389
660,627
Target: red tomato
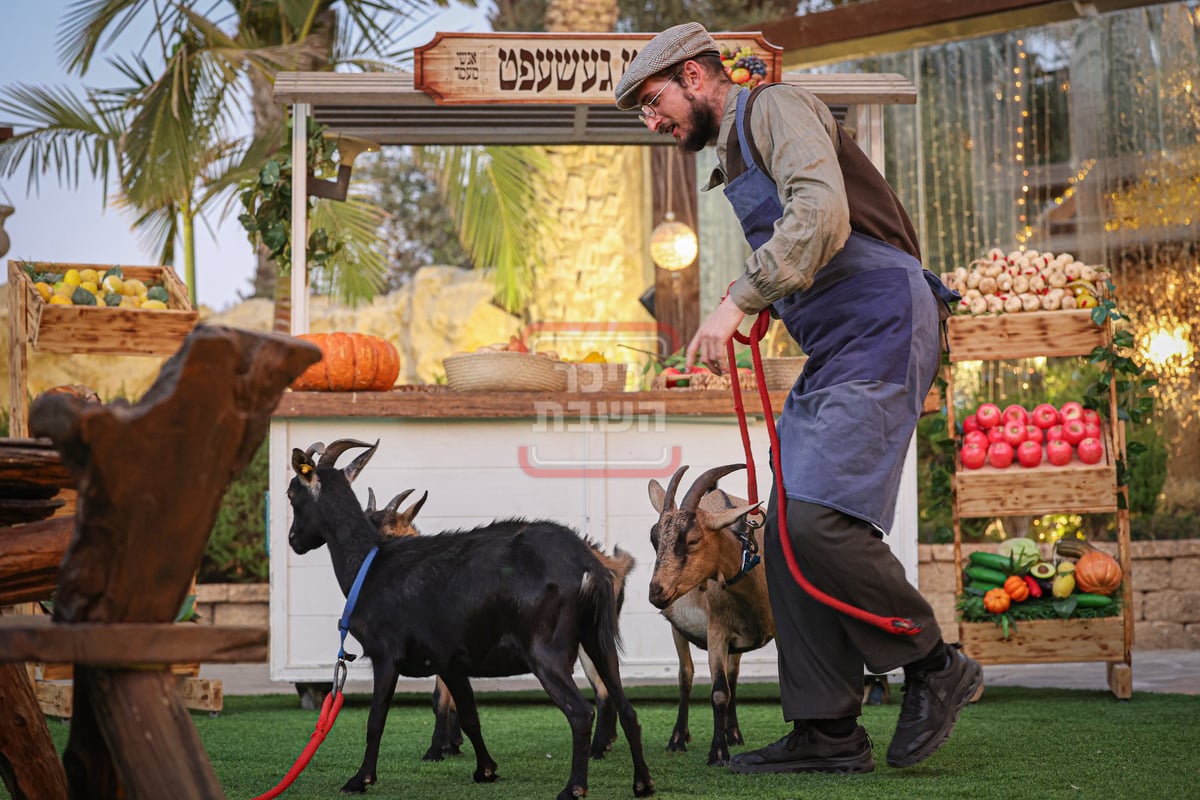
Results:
x,y
1014,433
1090,451
1034,434
971,423
1074,432
1029,453
1058,452
1091,415
1000,454
976,437
1044,415
988,415
1054,432
973,455
1016,413
1070,410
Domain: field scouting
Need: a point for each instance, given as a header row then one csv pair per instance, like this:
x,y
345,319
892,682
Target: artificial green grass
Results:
x,y
1016,741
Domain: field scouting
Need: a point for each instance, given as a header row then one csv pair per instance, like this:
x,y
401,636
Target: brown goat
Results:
x,y
697,551
447,735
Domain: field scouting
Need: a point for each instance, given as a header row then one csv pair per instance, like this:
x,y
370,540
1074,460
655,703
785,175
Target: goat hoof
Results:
x,y
488,776
572,792
643,789
432,755
734,737
718,758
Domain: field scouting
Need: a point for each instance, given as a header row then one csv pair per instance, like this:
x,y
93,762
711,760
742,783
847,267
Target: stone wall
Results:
x,y
1166,596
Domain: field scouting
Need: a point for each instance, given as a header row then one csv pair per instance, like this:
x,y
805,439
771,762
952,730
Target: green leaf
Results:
x,y
1065,606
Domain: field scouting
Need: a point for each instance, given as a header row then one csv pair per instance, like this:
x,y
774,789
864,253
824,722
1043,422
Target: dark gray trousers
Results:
x,y
822,652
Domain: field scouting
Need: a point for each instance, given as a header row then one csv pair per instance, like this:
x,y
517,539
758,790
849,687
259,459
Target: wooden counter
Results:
x,y
445,404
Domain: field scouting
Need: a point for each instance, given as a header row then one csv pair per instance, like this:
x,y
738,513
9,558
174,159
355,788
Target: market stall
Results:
x,y
581,457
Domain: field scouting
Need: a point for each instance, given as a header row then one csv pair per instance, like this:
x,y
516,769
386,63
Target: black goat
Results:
x,y
697,551
447,733
512,597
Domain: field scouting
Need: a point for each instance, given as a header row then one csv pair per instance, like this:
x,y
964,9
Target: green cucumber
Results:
x,y
982,558
986,575
1085,600
983,587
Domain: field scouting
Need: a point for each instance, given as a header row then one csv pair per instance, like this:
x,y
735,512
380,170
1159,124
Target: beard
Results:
x,y
703,128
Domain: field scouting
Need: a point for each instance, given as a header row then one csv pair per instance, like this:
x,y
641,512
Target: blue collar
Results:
x,y
351,600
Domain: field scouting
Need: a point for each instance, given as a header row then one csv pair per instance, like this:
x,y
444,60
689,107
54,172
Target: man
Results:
x,y
836,257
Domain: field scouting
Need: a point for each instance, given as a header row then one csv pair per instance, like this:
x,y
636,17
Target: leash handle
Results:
x,y
899,626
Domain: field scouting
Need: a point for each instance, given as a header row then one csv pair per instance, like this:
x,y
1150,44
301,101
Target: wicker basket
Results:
x,y
780,374
589,377
502,371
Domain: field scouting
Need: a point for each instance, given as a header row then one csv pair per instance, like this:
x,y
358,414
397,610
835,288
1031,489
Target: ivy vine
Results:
x,y
267,200
1134,403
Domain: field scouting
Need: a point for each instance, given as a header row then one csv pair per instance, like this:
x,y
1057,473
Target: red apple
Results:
x,y
1091,415
1034,434
1090,450
973,455
971,423
1070,410
976,437
1044,415
1015,413
1058,452
988,415
1054,432
1073,431
1091,430
1029,453
1014,433
1000,454
995,434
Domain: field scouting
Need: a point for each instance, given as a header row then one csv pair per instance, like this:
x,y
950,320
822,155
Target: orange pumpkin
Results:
x,y
350,362
996,601
1016,588
1096,572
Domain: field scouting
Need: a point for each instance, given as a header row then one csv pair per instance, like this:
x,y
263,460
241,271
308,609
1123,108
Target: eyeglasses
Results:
x,y
648,111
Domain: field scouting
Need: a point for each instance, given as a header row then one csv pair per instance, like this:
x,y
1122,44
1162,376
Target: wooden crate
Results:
x,y
1030,334
99,329
1052,640
1045,489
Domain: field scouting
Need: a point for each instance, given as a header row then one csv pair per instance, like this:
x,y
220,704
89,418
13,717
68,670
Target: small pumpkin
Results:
x,y
996,601
1096,572
350,362
1016,588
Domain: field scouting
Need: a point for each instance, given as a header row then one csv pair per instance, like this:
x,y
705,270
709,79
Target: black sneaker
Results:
x,y
932,702
806,749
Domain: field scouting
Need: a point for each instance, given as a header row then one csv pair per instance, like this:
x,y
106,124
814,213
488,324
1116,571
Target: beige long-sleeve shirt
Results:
x,y
797,137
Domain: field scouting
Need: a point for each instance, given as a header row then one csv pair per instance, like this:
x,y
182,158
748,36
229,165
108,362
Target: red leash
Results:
x,y
897,625
329,712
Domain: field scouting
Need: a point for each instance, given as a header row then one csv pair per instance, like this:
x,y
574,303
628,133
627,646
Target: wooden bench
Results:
x,y
149,479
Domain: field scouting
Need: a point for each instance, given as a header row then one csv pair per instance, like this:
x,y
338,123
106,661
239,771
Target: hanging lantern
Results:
x,y
673,245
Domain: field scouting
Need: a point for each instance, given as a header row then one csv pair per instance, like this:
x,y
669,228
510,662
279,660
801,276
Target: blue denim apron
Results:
x,y
869,325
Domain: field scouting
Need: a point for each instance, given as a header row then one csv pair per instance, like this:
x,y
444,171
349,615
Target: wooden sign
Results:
x,y
547,68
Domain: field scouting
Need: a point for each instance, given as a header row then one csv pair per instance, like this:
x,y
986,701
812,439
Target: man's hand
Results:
x,y
711,340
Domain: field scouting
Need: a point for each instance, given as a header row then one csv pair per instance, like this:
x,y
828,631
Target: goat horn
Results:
x,y
360,461
370,509
669,500
705,484
315,447
397,500
333,452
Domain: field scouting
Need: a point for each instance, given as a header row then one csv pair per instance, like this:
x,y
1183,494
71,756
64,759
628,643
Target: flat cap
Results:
x,y
672,46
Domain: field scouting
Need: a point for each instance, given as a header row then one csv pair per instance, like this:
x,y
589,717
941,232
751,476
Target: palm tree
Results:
x,y
171,137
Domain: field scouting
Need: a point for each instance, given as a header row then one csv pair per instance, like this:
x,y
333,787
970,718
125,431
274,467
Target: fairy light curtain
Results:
x,y
1081,137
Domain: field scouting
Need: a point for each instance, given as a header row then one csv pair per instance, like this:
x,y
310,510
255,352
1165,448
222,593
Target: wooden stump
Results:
x,y
150,478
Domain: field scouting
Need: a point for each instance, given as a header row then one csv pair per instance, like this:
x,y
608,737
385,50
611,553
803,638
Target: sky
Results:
x,y
67,223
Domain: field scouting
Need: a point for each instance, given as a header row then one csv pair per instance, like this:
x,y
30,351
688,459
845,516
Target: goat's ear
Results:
x,y
359,462
726,517
657,493
306,471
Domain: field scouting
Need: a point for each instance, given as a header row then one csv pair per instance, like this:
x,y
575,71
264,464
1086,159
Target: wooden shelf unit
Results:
x,y
1045,489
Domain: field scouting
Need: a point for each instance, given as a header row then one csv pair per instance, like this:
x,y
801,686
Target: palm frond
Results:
x,y
360,268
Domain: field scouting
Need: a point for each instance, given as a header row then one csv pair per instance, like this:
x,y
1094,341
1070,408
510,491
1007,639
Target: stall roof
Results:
x,y
386,108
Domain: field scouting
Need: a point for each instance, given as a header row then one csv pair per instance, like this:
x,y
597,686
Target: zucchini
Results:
x,y
982,558
1086,600
986,575
982,587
